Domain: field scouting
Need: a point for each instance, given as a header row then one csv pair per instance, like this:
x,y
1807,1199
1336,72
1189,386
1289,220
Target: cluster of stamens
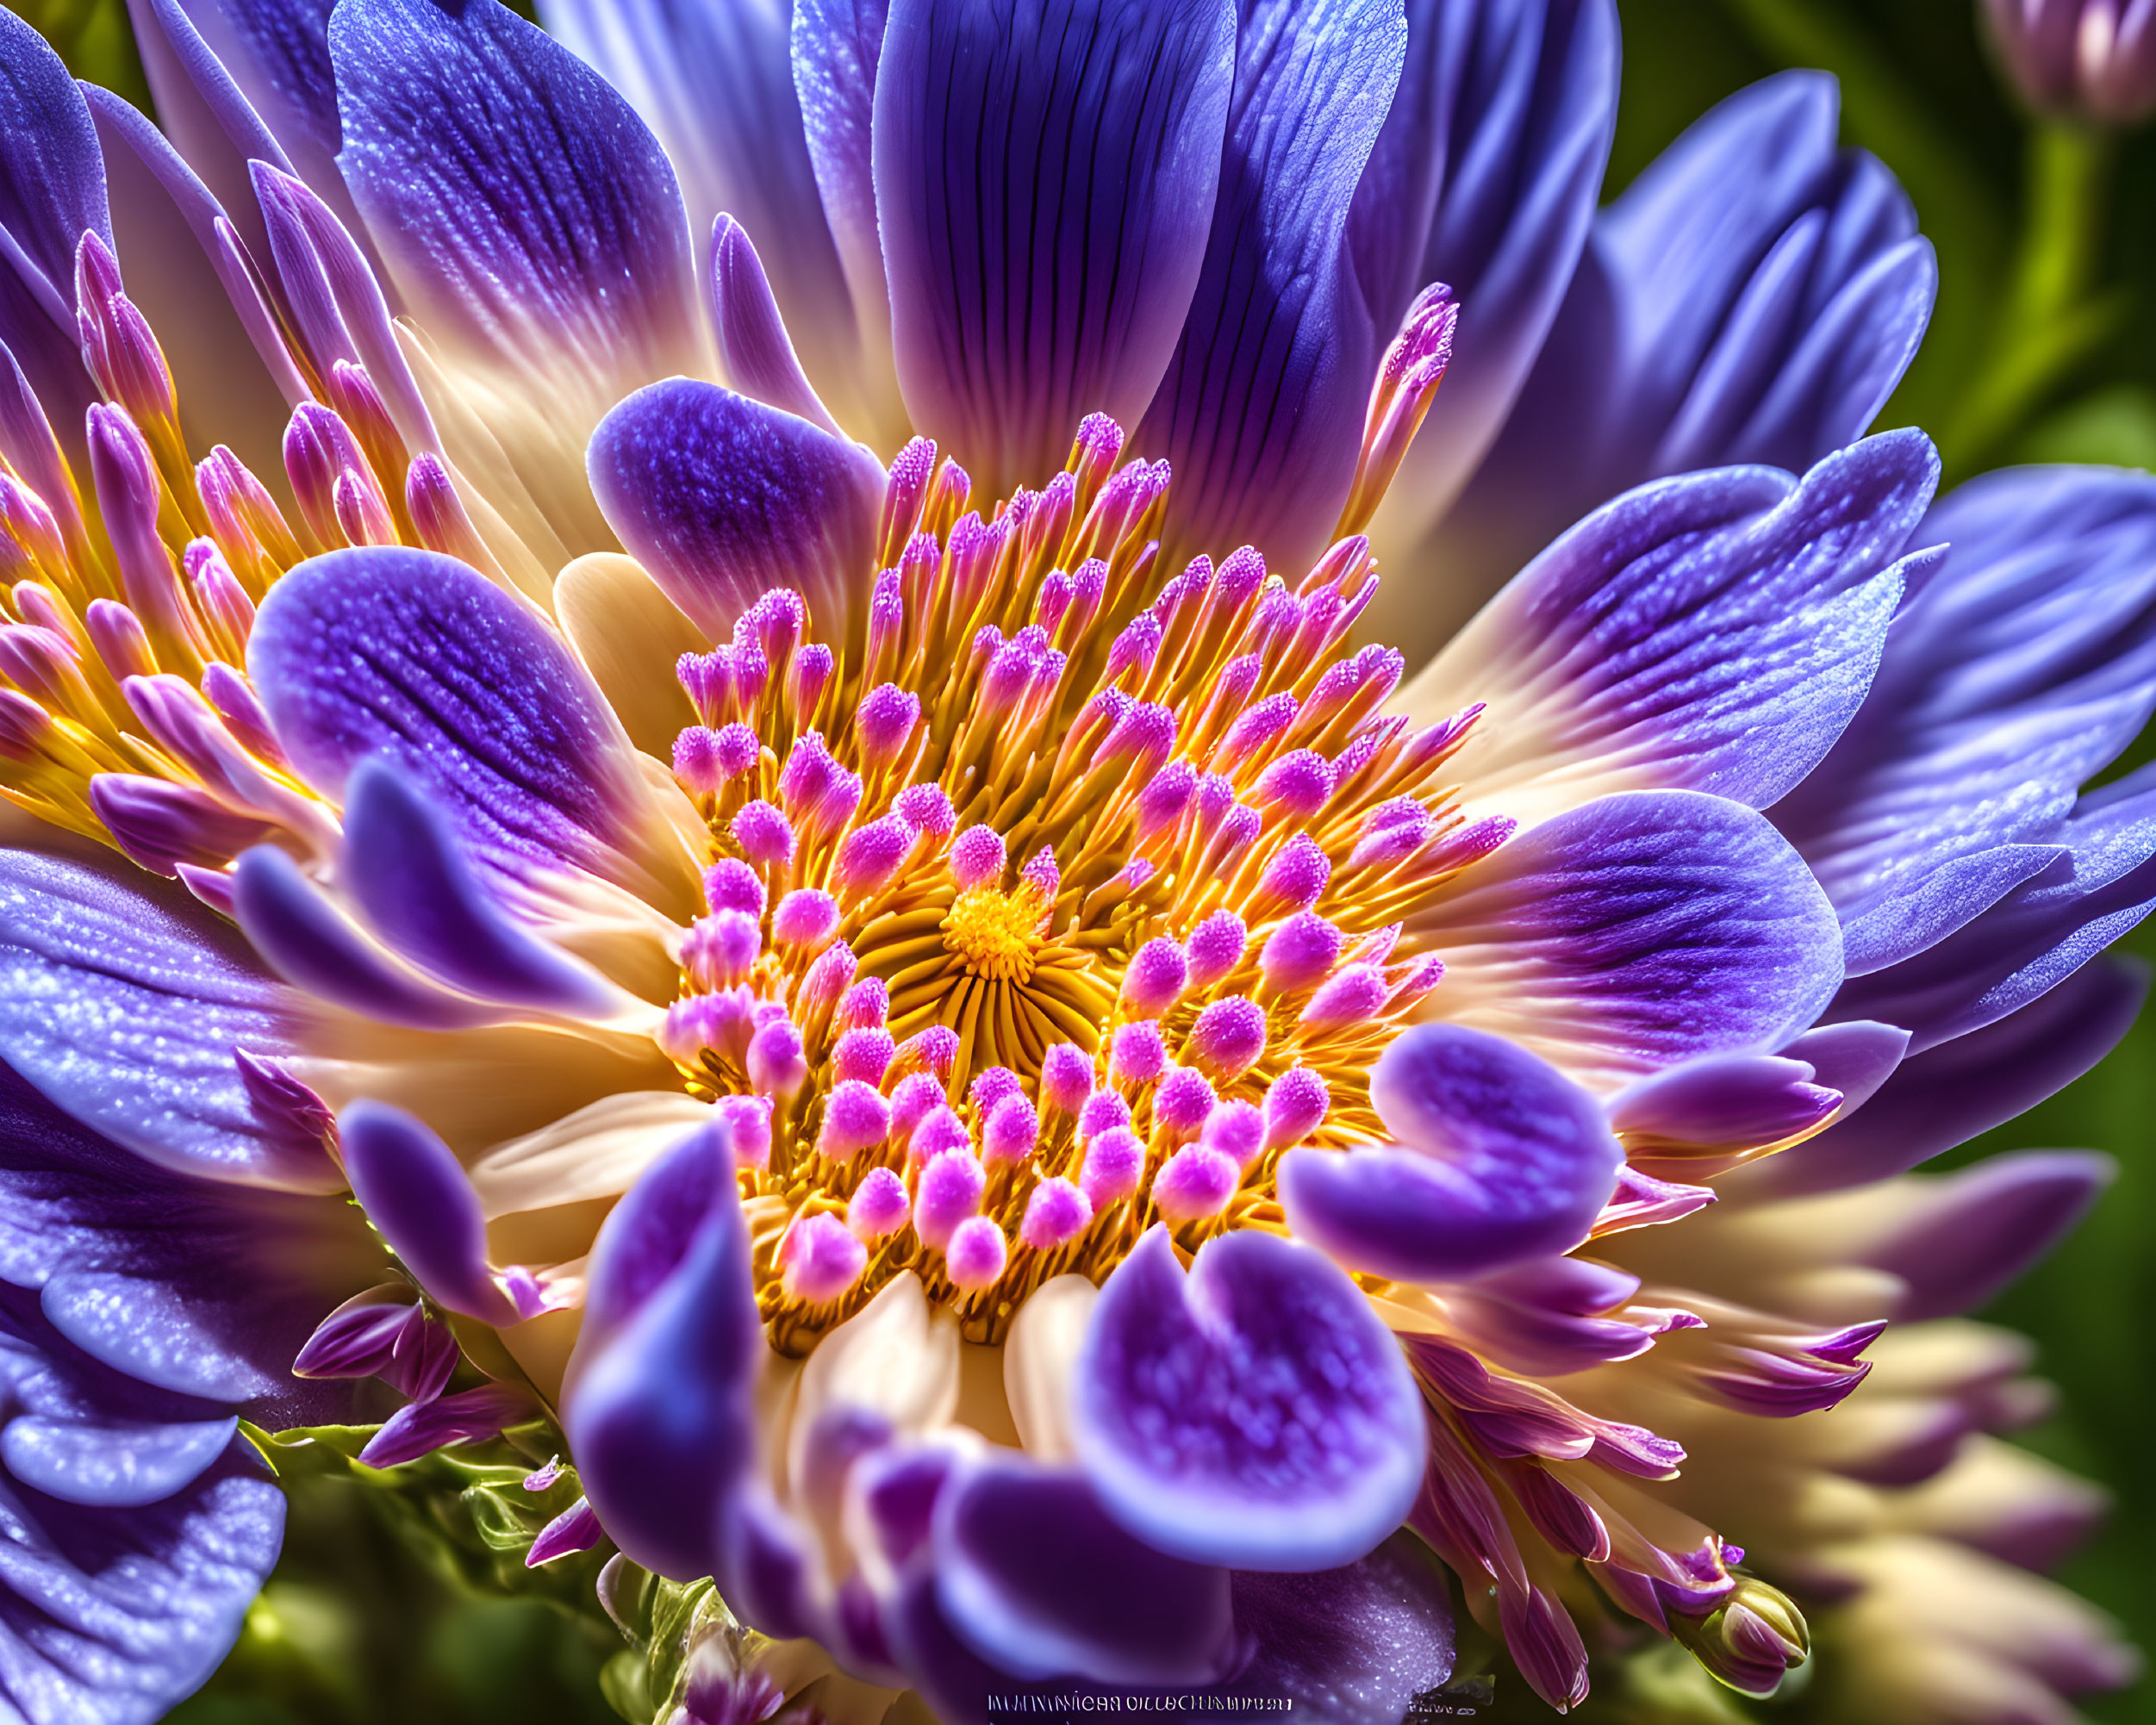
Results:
x,y
125,713
1054,899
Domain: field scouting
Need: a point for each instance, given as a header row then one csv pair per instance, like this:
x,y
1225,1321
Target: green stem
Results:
x,y
2049,318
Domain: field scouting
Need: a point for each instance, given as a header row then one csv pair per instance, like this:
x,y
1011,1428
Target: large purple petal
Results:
x,y
715,79
1353,1646
2034,937
1949,1094
197,1287
416,1192
2017,672
1497,1158
1644,929
419,660
1261,409
1034,1574
116,1598
1045,172
1484,177
522,207
124,1001
1254,1414
1713,633
721,498
657,1401
51,191
52,174
1753,296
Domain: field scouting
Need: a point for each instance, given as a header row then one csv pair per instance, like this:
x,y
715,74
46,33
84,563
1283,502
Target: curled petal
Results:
x,y
123,1004
111,1466
1500,1158
656,1401
120,1599
1254,1413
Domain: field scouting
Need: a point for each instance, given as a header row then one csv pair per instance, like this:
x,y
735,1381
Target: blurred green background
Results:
x,y
2042,354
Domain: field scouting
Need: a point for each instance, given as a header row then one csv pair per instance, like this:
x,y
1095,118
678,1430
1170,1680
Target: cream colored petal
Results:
x,y
541,1346
597,1152
1039,1360
1944,1357
477,456
897,1357
629,635
1991,1488
810,1680
478,1088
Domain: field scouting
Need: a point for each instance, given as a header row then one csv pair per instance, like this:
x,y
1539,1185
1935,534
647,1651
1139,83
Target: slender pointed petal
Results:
x,y
1975,1231
2017,673
51,192
1753,296
2034,937
414,1191
403,869
1949,1094
1484,177
715,80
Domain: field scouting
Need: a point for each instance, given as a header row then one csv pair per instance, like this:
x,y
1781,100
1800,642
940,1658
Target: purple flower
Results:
x,y
2081,59
1130,1134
